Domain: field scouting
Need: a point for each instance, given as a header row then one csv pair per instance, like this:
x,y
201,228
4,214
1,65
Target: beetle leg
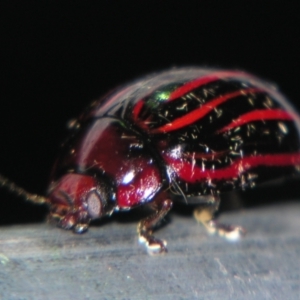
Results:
x,y
205,215
147,225
70,218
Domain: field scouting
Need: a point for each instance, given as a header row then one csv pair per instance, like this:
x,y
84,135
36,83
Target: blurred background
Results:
x,y
57,56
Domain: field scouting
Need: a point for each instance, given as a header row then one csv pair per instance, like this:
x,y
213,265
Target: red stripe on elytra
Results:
x,y
258,115
137,109
191,173
202,111
189,86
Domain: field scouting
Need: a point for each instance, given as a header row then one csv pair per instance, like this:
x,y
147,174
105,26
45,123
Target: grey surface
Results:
x,y
42,262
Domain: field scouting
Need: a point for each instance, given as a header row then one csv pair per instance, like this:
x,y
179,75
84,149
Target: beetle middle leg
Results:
x,y
145,229
206,216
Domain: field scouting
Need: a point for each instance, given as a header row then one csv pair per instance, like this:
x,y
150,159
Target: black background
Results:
x,y
57,56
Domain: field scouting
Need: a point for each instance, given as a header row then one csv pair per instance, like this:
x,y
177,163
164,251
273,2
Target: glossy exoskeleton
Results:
x,y
186,132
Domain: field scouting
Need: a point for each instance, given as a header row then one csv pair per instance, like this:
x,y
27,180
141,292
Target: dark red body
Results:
x,y
186,132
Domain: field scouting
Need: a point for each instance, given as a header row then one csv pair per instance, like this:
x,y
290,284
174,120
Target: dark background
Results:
x,y
57,56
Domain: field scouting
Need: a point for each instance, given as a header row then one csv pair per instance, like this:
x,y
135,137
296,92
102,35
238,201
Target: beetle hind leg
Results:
x,y
146,227
206,216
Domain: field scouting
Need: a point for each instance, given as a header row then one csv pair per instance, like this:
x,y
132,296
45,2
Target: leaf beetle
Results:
x,y
186,132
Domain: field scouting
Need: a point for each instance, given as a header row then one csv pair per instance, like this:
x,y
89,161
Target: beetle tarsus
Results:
x,y
153,245
205,216
146,227
81,228
229,232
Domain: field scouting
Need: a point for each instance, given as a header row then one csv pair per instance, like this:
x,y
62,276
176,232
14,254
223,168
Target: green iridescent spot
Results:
x,y
161,95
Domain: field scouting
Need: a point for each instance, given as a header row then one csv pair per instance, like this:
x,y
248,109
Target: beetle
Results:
x,y
171,136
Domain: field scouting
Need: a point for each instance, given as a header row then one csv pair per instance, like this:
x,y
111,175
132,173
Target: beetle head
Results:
x,y
81,193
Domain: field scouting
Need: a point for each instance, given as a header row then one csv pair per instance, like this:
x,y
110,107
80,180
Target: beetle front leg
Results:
x,y
205,215
70,218
147,225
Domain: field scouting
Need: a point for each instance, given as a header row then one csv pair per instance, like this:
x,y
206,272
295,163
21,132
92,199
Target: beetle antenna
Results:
x,y
12,187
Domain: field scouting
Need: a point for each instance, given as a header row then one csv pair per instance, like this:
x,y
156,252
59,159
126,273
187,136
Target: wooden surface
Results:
x,y
40,261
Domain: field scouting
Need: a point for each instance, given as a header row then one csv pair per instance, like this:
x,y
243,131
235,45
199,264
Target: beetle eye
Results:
x,y
94,205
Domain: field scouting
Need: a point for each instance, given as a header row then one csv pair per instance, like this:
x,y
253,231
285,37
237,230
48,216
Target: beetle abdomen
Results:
x,y
221,130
